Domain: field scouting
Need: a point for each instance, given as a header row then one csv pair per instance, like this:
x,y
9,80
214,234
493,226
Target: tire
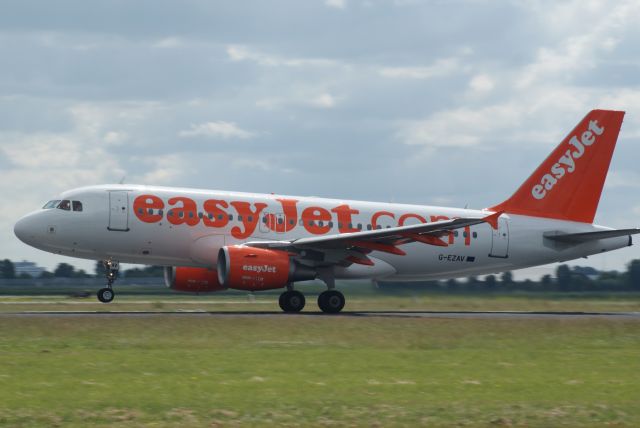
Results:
x,y
106,295
331,301
292,301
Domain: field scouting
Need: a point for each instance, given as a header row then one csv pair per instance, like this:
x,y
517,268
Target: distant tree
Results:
x,y
546,282
452,285
46,274
633,274
64,270
490,282
7,269
81,274
146,272
99,269
563,274
506,278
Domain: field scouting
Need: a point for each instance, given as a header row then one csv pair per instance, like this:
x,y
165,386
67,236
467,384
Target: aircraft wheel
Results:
x,y
106,295
292,301
331,301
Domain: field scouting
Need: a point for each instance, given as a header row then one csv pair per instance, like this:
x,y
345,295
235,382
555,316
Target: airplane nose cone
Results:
x,y
20,229
24,229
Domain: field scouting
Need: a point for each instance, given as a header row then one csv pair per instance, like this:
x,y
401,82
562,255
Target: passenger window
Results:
x,y
475,235
280,220
77,205
230,217
239,218
65,205
250,219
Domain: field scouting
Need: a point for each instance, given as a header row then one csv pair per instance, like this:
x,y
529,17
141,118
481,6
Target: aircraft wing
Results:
x,y
579,238
353,247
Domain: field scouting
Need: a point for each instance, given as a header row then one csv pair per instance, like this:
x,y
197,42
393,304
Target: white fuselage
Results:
x,y
189,231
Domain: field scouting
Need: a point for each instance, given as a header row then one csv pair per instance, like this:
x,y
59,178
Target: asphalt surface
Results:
x,y
368,314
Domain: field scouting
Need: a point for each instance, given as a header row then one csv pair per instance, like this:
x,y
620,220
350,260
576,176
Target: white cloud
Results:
x,y
300,97
441,67
336,4
461,127
163,170
323,101
243,53
216,129
168,43
597,30
481,83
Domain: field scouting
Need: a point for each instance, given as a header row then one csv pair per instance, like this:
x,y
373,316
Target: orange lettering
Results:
x,y
249,218
404,218
344,213
186,214
290,211
312,217
215,216
376,216
144,205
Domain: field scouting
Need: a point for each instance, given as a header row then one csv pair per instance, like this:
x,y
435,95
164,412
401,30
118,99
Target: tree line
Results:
x,y
566,279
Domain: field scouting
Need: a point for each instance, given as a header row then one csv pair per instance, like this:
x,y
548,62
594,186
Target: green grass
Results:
x,y
291,370
620,302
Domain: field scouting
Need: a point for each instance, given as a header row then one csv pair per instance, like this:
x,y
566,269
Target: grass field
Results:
x,y
289,370
541,302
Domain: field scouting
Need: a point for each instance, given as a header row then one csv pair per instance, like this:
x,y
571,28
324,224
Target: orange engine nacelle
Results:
x,y
192,279
252,269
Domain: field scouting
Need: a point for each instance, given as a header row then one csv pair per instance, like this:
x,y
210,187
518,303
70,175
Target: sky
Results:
x,y
433,102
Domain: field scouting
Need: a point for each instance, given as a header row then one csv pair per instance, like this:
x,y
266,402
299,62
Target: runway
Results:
x,y
367,314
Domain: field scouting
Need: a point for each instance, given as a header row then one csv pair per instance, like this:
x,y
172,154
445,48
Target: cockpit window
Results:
x,y
77,205
51,204
65,204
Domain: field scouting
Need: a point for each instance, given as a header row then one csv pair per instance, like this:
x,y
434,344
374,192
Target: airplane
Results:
x,y
216,240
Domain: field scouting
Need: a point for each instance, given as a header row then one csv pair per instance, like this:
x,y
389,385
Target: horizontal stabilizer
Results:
x,y
579,238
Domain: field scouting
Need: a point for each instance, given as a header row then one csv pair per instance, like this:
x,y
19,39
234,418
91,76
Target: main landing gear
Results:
x,y
292,300
106,295
330,301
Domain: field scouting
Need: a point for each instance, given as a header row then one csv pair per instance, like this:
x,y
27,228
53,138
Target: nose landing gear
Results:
x,y
106,295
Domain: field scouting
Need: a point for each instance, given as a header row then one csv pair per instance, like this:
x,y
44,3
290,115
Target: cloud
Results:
x,y
440,68
225,130
243,53
481,83
336,4
168,43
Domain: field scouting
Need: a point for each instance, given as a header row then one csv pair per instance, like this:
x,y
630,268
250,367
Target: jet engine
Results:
x,y
192,279
253,269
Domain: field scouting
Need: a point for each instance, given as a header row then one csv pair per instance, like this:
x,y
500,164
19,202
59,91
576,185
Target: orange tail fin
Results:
x,y
568,184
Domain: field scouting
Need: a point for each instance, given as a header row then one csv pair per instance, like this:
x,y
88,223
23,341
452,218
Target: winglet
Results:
x,y
493,219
